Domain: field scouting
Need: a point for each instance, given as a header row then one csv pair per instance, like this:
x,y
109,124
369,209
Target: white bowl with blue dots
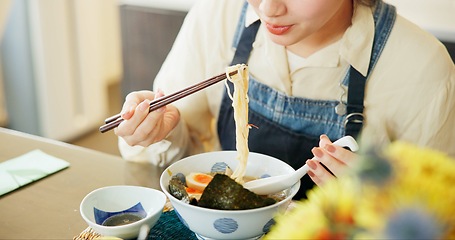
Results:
x,y
228,224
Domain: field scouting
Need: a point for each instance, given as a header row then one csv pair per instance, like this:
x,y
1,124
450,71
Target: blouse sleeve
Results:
x,y
439,116
201,50
434,123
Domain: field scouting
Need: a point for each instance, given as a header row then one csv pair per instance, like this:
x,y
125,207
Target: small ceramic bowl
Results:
x,y
228,224
107,203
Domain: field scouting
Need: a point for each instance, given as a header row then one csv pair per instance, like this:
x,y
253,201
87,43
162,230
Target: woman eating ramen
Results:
x,y
318,70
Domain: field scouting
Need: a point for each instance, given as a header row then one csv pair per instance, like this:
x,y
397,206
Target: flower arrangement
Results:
x,y
401,192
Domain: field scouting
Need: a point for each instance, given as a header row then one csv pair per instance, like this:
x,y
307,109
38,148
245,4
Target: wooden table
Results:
x,y
49,208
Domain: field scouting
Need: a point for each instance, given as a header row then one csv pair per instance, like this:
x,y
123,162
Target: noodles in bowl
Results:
x,y
230,211
228,224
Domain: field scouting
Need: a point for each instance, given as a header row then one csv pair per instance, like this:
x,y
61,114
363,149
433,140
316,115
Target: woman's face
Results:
x,y
304,22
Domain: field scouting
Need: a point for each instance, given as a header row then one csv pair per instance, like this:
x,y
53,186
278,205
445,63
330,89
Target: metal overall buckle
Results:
x,y
354,118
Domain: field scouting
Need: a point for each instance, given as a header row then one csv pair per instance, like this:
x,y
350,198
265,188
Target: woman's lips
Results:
x,y
277,30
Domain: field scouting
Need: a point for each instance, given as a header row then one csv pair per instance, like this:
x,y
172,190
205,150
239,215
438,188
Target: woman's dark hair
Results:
x,y
369,3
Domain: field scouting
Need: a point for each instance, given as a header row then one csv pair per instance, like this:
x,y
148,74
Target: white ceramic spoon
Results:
x,y
274,184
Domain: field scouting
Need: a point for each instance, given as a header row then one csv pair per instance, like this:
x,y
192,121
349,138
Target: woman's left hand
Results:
x,y
333,157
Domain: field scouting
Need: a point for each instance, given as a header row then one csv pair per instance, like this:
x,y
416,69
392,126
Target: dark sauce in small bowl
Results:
x,y
122,219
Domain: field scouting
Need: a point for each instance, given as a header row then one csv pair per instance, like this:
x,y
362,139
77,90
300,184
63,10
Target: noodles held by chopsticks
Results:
x,y
240,105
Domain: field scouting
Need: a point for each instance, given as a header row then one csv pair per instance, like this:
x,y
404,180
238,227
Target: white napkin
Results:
x,y
32,166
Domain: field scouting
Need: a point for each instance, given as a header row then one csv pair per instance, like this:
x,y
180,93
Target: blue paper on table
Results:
x,y
32,166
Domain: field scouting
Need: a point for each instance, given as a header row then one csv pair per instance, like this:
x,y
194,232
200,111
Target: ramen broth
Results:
x,y
121,219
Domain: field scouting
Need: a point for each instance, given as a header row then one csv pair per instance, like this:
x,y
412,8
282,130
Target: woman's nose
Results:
x,y
272,8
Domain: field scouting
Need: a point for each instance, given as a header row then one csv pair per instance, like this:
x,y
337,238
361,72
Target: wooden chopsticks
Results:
x,y
113,121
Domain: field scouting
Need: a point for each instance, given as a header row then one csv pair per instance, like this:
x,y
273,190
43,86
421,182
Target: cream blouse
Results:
x,y
409,96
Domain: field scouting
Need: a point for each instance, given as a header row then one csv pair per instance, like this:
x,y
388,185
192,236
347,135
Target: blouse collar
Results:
x,y
355,45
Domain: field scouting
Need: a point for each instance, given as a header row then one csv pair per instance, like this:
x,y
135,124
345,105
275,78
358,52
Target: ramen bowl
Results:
x,y
228,224
124,208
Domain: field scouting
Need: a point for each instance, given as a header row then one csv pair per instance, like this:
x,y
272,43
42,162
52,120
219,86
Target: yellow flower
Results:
x,y
425,177
403,192
304,214
328,214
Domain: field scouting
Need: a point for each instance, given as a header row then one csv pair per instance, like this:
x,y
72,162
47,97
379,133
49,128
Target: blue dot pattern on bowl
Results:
x,y
268,225
219,167
225,225
265,175
181,219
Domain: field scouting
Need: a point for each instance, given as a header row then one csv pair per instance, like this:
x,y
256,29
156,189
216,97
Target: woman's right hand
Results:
x,y
141,127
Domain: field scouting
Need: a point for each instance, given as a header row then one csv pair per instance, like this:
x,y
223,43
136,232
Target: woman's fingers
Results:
x,y
132,100
160,94
341,154
338,152
324,140
336,166
318,173
148,131
129,127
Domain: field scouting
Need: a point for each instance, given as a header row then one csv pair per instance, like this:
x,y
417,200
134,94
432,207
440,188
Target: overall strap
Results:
x,y
245,44
384,18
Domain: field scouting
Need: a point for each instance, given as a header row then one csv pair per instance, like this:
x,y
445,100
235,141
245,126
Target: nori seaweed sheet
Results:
x,y
226,194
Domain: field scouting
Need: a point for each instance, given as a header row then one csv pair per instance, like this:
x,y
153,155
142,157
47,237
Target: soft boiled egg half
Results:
x,y
198,181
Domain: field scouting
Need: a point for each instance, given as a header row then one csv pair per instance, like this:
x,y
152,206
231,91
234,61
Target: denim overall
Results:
x,y
289,127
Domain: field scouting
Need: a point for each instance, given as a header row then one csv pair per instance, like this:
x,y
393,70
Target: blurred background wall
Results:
x,y
4,12
58,57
